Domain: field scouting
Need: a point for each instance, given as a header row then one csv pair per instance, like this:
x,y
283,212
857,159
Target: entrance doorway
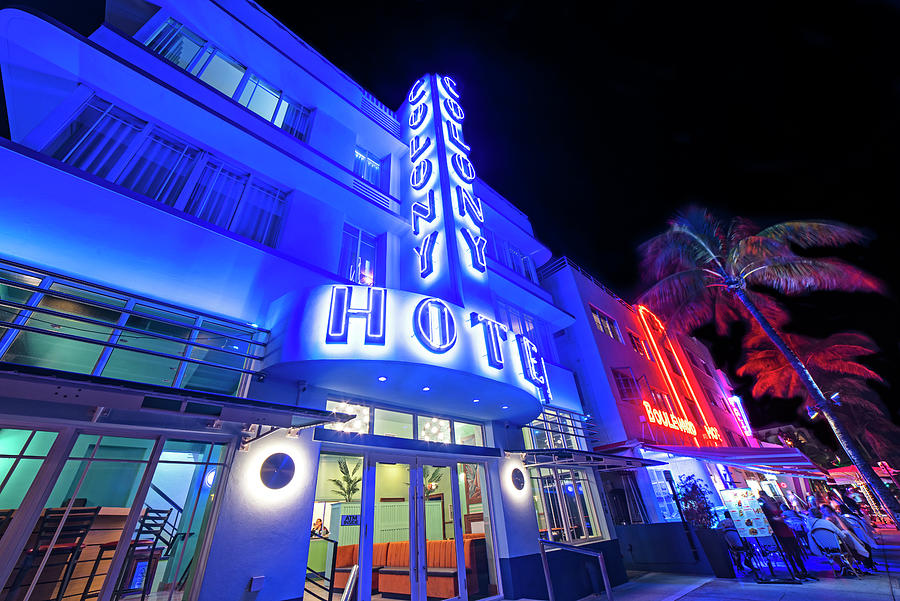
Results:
x,y
400,528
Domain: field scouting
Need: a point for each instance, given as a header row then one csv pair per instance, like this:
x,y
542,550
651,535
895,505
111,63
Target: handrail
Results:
x,y
329,579
599,555
349,589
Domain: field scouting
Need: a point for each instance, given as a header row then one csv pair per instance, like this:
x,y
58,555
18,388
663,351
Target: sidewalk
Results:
x,y
883,585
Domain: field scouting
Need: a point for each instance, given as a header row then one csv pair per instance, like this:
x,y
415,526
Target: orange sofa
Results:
x,y
390,566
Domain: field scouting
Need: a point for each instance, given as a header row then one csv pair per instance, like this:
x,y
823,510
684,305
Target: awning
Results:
x,y
850,475
560,458
780,460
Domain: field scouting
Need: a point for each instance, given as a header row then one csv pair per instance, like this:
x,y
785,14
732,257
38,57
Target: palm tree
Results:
x,y
348,484
833,364
703,267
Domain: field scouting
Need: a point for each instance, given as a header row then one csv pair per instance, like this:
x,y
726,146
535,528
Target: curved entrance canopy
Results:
x,y
411,350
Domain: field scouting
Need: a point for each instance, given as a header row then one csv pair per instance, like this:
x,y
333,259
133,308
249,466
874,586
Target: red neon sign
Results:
x,y
669,420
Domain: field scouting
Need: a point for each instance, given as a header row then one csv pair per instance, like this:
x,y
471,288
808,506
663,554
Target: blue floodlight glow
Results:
x,y
426,388
476,400
505,407
434,325
382,379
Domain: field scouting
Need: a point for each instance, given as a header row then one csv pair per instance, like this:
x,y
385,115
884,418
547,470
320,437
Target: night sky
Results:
x,y
600,121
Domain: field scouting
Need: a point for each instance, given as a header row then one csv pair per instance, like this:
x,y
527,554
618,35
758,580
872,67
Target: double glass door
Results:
x,y
412,544
411,528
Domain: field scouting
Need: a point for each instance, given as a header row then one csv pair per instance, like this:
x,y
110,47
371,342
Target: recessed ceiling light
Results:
x,y
476,400
505,407
426,388
382,379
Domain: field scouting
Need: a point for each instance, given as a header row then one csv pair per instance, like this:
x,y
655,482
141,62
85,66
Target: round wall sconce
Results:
x,y
277,470
518,478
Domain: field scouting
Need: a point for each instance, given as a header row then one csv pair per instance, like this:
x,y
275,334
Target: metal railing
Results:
x,y
553,266
543,542
317,578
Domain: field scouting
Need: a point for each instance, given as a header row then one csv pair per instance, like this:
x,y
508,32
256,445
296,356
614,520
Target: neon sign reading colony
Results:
x,y
435,329
446,118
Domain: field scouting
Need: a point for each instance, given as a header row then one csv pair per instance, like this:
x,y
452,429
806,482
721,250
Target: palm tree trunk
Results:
x,y
825,406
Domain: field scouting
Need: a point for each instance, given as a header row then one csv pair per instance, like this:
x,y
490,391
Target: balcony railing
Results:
x,y
52,321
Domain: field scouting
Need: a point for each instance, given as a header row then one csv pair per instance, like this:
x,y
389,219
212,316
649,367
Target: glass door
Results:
x,y
415,526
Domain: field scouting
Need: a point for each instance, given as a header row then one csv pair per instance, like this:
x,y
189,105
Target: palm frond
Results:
x,y
706,231
809,234
798,275
665,254
680,299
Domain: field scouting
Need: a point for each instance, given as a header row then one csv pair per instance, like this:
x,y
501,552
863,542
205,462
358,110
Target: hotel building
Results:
x,y
262,336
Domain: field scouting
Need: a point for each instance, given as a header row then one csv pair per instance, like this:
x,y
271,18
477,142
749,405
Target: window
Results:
x,y
713,398
661,400
175,43
605,324
662,491
180,46
160,168
638,345
97,138
367,166
393,423
673,362
357,261
508,255
520,322
626,384
565,504
433,429
72,327
357,425
468,434
111,143
555,429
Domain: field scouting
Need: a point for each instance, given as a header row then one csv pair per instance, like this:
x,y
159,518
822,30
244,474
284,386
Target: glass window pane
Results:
x,y
139,367
260,214
73,132
338,494
260,97
294,119
175,43
15,294
366,261
217,193
468,434
393,423
349,250
47,350
358,425
215,379
160,168
478,538
22,453
96,143
434,429
223,73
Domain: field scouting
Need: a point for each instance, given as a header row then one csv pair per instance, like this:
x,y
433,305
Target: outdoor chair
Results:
x,y
60,535
738,547
147,546
834,549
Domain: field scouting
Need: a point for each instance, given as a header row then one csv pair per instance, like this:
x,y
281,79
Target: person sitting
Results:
x,y
793,556
795,522
736,544
319,528
826,540
860,551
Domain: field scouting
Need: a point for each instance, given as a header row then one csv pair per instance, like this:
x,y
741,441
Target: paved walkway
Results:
x,y
881,586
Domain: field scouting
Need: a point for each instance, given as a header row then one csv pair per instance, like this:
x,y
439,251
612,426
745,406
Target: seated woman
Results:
x,y
857,548
825,540
795,522
859,531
